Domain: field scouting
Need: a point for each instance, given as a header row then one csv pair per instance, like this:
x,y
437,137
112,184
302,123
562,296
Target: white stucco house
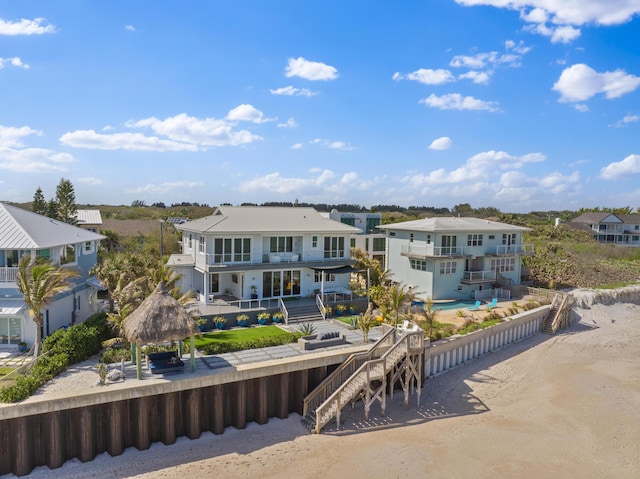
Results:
x,y
452,257
370,239
263,252
23,232
618,229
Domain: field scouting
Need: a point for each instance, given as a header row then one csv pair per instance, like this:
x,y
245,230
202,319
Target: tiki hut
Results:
x,y
159,318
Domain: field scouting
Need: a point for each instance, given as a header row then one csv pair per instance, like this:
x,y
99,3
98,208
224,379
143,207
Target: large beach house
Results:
x,y
618,229
23,232
453,257
259,252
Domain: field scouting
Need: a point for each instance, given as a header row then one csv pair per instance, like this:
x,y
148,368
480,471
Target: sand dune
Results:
x,y
561,406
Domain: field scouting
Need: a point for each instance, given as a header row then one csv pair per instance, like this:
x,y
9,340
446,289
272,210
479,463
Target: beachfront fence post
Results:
x,y
138,361
193,355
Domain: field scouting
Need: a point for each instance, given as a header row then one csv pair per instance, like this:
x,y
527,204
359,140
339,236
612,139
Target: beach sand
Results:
x,y
550,406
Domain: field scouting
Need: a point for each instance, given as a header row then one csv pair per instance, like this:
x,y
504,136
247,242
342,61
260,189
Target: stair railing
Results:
x,y
410,341
334,380
285,313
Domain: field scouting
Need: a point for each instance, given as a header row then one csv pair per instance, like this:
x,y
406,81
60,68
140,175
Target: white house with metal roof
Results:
x,y
618,229
263,252
455,257
89,219
23,232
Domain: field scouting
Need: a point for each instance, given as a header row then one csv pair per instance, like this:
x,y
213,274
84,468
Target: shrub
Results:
x,y
307,329
230,346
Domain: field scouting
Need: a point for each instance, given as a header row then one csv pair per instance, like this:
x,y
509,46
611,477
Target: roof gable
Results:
x,y
22,229
266,219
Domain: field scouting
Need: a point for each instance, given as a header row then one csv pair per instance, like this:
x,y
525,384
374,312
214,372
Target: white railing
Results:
x,y
451,352
479,276
432,250
8,274
267,258
511,249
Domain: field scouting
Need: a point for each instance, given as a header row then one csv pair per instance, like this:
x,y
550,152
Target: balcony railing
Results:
x,y
512,249
413,249
269,258
479,276
8,274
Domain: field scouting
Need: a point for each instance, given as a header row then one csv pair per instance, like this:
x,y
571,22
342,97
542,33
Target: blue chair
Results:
x,y
493,303
475,307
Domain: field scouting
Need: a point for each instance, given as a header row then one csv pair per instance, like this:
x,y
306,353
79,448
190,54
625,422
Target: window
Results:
x,y
68,254
448,267
242,249
281,244
201,244
378,244
352,243
334,247
411,238
328,277
366,244
392,233
509,238
428,239
348,221
214,283
492,236
314,241
502,265
88,247
43,253
418,264
190,241
372,225
474,240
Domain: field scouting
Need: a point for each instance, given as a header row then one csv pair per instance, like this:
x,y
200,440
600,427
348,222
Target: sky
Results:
x,y
522,105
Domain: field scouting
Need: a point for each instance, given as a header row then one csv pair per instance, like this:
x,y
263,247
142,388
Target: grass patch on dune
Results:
x,y
238,339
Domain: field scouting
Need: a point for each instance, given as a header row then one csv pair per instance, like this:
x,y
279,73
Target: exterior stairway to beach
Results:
x,y
396,357
303,313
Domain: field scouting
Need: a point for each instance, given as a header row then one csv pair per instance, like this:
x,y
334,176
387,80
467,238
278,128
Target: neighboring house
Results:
x,y
23,232
263,252
89,220
452,258
370,239
619,229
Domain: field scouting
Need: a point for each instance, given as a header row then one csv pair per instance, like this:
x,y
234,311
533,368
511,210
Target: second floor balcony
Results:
x,y
262,261
8,274
510,250
416,250
474,277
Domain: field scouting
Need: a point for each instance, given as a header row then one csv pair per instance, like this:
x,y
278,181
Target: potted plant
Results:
x,y
254,291
352,309
340,309
219,322
22,346
242,320
277,317
202,323
263,318
328,310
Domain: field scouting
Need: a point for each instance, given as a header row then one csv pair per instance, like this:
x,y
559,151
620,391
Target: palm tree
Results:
x,y
429,315
40,282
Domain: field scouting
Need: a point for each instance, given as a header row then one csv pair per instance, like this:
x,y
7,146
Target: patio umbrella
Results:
x,y
159,318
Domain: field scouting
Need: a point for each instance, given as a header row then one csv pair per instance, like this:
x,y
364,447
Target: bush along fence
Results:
x,y
451,352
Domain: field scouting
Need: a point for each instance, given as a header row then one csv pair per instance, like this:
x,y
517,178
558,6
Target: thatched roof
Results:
x,y
159,318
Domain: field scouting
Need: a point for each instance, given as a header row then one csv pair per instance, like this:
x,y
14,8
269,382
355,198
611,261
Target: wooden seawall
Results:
x,y
52,430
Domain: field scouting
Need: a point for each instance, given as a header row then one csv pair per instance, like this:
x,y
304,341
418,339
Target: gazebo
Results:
x,y
159,318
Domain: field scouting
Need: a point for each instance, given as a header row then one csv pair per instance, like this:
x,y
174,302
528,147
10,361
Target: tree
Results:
x,y
365,322
66,200
39,282
429,315
39,204
52,209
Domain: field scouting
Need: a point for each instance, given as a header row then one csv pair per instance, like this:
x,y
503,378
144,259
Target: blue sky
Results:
x,y
519,104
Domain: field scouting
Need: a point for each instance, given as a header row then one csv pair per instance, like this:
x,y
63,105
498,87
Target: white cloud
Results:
x,y
625,121
290,123
196,132
519,47
481,78
291,91
442,143
426,76
621,169
89,180
567,12
14,61
37,26
484,59
33,160
300,67
296,146
581,107
565,34
455,101
121,141
332,145
131,28
11,137
164,188
247,113
580,82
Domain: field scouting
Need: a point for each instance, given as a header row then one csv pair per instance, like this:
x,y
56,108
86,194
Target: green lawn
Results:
x,y
4,371
238,334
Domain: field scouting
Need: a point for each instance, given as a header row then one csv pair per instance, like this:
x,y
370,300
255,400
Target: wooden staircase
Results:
x,y
559,314
397,357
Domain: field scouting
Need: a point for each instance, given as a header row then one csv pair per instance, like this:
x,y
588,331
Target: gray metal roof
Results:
x,y
266,219
89,217
22,229
454,224
596,218
181,260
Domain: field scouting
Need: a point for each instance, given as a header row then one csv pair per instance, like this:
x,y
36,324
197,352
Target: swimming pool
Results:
x,y
461,303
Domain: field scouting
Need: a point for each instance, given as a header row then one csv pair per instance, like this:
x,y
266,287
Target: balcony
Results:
x,y
8,274
217,262
510,250
475,277
422,251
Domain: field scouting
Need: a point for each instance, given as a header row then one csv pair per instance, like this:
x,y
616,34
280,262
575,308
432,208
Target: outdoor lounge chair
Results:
x,y
493,303
165,362
475,307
